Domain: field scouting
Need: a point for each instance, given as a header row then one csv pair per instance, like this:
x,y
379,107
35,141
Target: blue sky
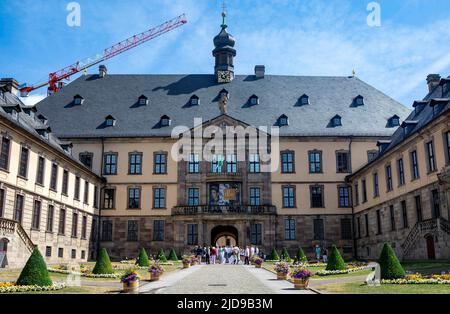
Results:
x,y
302,37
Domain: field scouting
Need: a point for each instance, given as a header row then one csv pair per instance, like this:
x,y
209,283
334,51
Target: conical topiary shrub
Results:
x,y
103,264
389,264
335,260
300,257
274,255
143,258
173,256
35,272
161,256
285,255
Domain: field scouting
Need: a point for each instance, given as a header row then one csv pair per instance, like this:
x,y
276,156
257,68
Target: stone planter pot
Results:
x,y
132,287
258,265
301,283
186,265
281,276
154,277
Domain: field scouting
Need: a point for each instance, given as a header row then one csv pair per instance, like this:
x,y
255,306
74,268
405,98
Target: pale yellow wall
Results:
x,y
417,142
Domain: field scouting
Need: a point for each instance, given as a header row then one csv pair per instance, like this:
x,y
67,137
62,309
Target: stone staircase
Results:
x,y
19,244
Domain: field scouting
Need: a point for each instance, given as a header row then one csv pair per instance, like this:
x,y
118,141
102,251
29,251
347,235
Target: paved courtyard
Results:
x,y
221,279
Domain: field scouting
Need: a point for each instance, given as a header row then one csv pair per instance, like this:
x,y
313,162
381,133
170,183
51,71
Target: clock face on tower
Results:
x,y
224,76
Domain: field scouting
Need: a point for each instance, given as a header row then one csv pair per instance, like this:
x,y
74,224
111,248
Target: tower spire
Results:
x,y
224,15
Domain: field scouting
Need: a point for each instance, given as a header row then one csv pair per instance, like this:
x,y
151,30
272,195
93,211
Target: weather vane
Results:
x,y
224,13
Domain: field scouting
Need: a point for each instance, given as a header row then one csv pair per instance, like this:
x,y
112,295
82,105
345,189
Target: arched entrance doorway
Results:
x,y
3,250
430,247
224,235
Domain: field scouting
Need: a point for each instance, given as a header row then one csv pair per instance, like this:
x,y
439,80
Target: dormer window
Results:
x,y
358,101
110,121
304,100
438,105
419,105
336,121
44,132
165,121
194,101
408,126
383,145
394,121
223,93
30,111
43,119
78,100
283,121
67,147
13,111
254,100
143,100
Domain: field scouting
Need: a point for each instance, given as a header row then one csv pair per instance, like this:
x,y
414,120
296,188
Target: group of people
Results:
x,y
226,254
321,253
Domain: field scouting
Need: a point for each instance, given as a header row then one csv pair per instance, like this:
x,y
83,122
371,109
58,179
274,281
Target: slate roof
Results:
x,y
117,95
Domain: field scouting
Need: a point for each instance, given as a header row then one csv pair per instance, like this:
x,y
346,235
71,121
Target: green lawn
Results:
x,y
417,266
77,290
359,288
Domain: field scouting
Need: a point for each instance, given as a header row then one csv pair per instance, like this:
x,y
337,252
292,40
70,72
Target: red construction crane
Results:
x,y
54,79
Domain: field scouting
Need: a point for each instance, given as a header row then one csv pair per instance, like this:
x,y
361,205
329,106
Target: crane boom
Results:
x,y
55,77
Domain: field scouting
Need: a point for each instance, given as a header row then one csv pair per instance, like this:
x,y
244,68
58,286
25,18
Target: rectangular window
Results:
x,y
447,146
364,191
60,252
158,230
94,230
436,203
95,196
256,234
344,196
346,229
135,164
23,165
372,155
356,194
54,177
62,222
83,255
389,184
288,197
107,228
110,164
86,192
414,166
430,156
255,196
65,184
192,234
287,162
232,164
48,251
405,215
376,185
379,228
109,198
4,154
193,197
255,165
86,159
133,230
358,223
315,162
2,202
84,227
343,162
159,198
319,232
74,225
40,171
289,229
36,219
77,188
418,201
134,198
217,164
50,218
18,208
401,172
160,163
366,222
194,164
317,196
392,213
74,254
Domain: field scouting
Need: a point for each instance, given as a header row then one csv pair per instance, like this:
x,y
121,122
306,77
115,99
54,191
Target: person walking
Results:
x,y
207,254
252,251
199,254
325,255
222,255
213,255
318,252
247,256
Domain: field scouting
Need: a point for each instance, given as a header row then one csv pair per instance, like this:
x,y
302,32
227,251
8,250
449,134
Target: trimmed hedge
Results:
x,y
35,272
285,256
335,260
161,256
173,256
103,264
274,255
300,257
143,258
389,264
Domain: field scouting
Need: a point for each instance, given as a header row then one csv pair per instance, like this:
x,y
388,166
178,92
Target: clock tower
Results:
x,y
224,53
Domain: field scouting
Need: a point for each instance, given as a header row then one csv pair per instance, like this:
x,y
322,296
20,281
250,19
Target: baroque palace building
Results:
x,y
121,127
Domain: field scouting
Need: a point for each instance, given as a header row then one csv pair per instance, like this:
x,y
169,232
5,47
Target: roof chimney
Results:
x,y
9,85
433,81
102,71
260,71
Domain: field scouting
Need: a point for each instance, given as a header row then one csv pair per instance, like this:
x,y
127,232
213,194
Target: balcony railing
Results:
x,y
224,210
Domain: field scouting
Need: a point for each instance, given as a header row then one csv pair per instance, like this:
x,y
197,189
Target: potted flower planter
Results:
x,y
301,283
131,287
301,277
282,270
130,281
281,276
186,265
258,265
154,277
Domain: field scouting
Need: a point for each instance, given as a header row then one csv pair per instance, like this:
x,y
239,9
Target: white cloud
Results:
x,y
32,100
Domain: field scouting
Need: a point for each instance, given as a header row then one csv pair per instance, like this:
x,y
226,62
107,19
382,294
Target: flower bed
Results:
x,y
87,275
12,288
323,273
418,279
